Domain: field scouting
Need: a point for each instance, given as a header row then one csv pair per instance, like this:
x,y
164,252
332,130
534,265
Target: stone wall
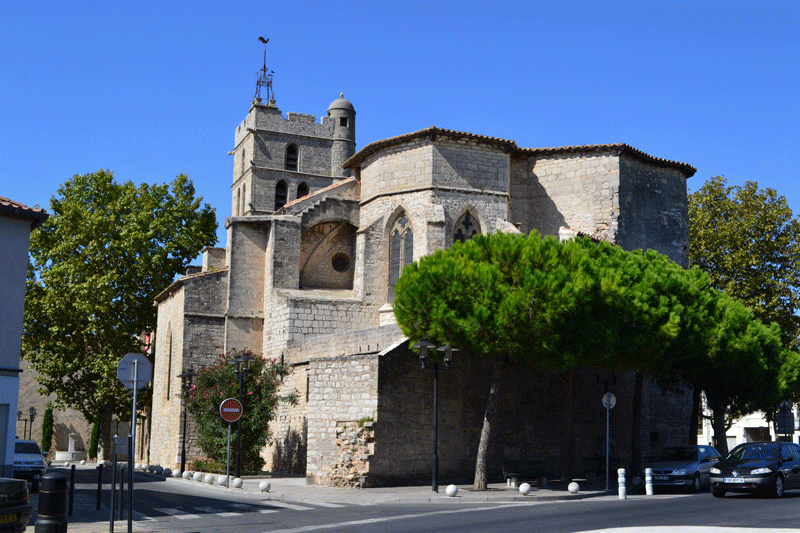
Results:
x,y
654,212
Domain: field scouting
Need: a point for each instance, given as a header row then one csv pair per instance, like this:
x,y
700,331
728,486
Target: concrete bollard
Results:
x,y
52,504
648,481
621,482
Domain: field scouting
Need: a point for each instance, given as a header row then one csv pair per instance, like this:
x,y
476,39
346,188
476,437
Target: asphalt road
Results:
x,y
186,508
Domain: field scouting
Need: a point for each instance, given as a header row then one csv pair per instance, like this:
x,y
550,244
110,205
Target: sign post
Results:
x,y
231,411
134,371
609,401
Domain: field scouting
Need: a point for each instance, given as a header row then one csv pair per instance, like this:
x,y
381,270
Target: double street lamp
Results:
x,y
423,345
186,385
242,364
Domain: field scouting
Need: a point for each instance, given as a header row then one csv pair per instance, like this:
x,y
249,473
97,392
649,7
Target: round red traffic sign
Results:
x,y
230,410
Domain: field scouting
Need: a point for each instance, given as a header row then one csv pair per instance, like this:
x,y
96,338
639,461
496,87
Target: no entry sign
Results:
x,y
230,410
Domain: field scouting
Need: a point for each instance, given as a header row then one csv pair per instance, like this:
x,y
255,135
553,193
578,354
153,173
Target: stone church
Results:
x,y
319,234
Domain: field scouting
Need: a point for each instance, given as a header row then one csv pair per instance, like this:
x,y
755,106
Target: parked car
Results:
x,y
15,505
684,466
28,462
766,467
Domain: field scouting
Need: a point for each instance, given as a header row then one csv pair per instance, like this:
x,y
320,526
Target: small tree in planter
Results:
x,y
216,382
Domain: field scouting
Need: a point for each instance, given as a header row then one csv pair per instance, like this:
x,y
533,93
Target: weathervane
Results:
x,y
264,76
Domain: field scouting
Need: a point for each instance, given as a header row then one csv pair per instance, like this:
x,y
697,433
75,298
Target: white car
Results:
x,y
28,461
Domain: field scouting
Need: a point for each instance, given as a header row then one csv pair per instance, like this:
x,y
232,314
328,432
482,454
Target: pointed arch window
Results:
x,y
280,194
302,190
466,227
291,158
244,198
401,250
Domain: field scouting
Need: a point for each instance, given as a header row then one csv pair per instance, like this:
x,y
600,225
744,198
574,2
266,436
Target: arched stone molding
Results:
x,y
331,210
327,256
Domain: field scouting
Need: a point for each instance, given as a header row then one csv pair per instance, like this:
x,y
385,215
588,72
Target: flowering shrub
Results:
x,y
215,383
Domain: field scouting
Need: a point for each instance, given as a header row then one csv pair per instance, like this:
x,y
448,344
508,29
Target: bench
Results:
x,y
521,470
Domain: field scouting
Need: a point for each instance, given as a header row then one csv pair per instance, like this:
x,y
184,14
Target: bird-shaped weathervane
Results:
x,y
264,76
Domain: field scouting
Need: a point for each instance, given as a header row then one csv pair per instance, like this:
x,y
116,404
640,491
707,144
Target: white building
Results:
x,y
16,223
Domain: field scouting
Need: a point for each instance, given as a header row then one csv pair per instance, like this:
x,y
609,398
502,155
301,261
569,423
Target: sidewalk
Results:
x,y
87,519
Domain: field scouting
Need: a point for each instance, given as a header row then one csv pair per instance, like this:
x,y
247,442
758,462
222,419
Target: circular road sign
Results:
x,y
230,410
609,400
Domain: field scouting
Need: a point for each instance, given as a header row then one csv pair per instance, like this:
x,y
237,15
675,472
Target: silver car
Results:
x,y
684,466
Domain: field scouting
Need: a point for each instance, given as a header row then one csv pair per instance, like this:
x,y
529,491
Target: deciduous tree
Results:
x,y
104,253
748,241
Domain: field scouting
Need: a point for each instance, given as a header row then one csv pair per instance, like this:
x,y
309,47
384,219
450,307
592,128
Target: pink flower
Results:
x,y
250,393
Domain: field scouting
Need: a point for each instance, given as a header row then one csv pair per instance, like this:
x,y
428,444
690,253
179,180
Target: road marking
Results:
x,y
216,512
329,504
287,505
245,506
389,519
177,513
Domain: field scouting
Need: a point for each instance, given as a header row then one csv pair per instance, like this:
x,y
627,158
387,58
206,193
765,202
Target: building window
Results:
x,y
291,158
401,250
343,122
302,190
466,227
244,153
244,198
238,201
280,195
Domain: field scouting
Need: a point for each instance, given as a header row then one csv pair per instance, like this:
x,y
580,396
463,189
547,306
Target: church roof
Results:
x,y
511,146
13,209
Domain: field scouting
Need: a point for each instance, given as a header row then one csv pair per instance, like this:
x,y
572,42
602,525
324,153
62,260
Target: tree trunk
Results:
x,y
636,426
695,418
718,420
106,444
481,463
568,435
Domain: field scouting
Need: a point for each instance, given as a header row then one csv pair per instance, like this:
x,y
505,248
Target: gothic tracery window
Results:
x,y
401,250
465,228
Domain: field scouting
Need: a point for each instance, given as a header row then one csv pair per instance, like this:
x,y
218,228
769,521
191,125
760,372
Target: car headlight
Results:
x,y
762,471
680,472
716,471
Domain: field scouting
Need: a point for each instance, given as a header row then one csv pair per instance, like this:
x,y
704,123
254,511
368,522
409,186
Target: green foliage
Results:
x,y
94,440
748,242
217,382
47,428
97,263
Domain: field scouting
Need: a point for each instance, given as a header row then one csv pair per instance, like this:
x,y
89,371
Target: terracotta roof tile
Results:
x,y
17,210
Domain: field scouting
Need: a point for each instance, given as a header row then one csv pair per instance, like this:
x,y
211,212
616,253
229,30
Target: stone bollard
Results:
x,y
648,481
52,504
621,481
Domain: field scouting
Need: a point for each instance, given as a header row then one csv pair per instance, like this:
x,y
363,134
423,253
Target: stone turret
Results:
x,y
343,116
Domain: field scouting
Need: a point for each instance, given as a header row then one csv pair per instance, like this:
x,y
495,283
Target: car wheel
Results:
x,y
718,493
696,483
777,487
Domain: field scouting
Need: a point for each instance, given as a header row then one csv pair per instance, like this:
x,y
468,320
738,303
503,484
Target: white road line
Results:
x,y
387,519
329,504
275,503
177,513
245,506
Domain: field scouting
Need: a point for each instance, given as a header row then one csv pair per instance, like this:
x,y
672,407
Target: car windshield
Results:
x,y
27,447
754,451
677,453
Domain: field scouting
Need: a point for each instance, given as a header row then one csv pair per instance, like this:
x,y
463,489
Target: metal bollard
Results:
x,y
71,488
621,482
99,484
121,490
648,481
52,504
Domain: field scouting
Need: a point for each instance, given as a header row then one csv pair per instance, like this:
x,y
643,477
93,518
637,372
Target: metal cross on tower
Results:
x,y
264,76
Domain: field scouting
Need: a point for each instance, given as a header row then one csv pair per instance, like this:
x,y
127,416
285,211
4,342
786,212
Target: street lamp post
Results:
x,y
242,365
423,345
32,414
186,385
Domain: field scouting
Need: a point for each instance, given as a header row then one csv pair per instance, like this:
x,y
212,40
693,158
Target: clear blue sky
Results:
x,y
149,90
